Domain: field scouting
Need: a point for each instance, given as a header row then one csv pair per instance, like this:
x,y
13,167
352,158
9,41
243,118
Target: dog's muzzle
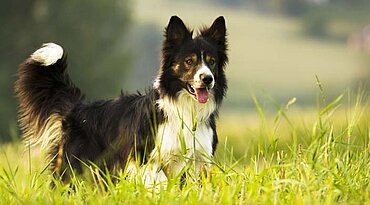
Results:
x,y
200,90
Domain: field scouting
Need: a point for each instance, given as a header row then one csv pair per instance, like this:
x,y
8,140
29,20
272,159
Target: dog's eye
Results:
x,y
189,61
212,62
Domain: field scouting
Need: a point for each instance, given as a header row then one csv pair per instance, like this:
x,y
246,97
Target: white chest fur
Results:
x,y
186,130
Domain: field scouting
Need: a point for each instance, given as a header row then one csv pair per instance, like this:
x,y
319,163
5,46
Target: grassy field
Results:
x,y
278,152
297,156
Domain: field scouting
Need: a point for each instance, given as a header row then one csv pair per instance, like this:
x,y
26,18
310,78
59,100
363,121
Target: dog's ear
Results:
x,y
217,32
176,31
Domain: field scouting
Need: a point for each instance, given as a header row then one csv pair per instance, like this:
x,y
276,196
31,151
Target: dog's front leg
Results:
x,y
154,177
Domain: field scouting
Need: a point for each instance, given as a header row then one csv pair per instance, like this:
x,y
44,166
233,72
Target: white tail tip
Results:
x,y
48,54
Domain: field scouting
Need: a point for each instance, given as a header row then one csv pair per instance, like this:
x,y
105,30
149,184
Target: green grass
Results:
x,y
295,156
286,154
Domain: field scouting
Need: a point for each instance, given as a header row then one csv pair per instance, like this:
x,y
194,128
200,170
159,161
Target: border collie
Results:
x,y
163,129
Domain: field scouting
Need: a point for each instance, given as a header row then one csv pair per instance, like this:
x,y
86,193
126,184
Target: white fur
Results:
x,y
49,135
52,131
203,70
153,177
150,174
186,119
48,54
157,82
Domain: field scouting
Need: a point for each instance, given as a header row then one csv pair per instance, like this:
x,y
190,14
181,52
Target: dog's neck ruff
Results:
x,y
186,124
185,108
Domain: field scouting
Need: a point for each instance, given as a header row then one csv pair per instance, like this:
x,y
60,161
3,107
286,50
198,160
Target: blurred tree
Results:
x,y
294,7
315,23
91,31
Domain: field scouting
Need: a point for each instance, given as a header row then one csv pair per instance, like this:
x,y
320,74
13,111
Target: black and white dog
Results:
x,y
172,123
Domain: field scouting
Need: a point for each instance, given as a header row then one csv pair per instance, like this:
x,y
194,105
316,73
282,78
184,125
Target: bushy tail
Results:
x,y
45,94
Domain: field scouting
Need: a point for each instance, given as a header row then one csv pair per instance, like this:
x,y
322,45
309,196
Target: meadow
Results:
x,y
294,156
273,149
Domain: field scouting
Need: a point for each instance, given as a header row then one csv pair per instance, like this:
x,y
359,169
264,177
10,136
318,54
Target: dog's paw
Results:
x,y
48,54
154,179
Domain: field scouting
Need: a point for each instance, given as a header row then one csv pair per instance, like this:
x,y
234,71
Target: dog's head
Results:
x,y
195,65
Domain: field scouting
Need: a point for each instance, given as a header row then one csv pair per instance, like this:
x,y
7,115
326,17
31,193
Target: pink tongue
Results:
x,y
202,95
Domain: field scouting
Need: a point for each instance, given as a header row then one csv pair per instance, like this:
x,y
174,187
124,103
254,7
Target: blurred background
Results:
x,y
276,47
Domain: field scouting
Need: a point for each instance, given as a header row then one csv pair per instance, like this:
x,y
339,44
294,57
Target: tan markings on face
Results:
x,y
176,67
190,65
190,61
211,61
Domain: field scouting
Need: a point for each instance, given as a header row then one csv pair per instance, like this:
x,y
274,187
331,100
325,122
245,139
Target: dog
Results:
x,y
172,123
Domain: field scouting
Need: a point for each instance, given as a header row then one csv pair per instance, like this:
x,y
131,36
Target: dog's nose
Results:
x,y
207,79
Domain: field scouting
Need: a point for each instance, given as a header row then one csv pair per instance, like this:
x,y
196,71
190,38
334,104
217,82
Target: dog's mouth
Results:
x,y
200,94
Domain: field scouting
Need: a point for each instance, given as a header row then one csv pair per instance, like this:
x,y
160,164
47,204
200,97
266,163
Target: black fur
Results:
x,y
111,131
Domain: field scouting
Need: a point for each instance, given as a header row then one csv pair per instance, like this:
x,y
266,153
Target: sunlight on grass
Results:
x,y
295,156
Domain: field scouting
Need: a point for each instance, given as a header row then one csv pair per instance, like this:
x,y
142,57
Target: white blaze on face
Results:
x,y
205,71
201,89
